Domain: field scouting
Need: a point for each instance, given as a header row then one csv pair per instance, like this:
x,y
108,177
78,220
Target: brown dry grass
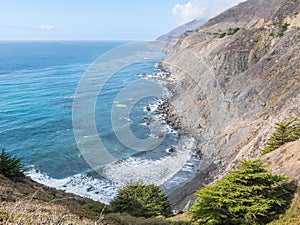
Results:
x,y
27,202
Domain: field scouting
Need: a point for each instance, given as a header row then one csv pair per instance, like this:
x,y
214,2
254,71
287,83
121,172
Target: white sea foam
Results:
x,y
70,96
148,170
101,190
120,105
170,172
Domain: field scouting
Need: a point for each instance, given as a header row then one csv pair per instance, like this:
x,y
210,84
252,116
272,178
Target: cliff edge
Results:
x,y
234,78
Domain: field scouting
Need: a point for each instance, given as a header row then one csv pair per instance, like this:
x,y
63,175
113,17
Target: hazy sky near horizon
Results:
x,y
100,20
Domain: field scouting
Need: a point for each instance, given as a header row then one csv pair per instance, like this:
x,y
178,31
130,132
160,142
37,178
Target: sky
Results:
x,y
100,19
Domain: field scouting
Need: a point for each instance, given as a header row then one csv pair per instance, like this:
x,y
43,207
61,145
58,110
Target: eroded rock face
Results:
x,y
285,161
236,87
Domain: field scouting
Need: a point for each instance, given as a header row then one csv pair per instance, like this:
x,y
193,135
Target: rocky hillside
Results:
x,y
27,202
285,160
233,80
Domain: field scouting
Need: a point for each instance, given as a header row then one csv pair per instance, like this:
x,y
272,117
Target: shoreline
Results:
x,y
182,196
166,113
92,188
186,171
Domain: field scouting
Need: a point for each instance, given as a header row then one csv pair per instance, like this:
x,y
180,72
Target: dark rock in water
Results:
x,y
148,109
150,119
171,150
167,113
90,188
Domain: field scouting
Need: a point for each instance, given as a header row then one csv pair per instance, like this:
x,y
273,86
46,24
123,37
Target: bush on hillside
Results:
x,y
284,132
282,28
232,31
221,35
250,195
10,166
140,200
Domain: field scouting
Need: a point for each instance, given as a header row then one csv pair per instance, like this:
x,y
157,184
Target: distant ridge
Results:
x,y
192,25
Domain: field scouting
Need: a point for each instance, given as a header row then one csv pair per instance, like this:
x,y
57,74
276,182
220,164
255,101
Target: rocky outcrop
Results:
x,y
230,91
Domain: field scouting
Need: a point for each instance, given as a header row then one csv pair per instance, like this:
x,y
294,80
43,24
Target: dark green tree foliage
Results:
x,y
221,35
285,132
282,28
232,31
140,200
10,166
250,195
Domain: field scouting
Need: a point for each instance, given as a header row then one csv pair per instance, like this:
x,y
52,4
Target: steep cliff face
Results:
x,y
232,86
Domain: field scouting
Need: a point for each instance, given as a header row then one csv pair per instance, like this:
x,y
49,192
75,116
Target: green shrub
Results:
x,y
282,28
284,132
250,195
232,31
138,199
279,30
10,166
221,35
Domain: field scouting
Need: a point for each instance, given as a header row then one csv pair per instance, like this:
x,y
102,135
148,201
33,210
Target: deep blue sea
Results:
x,y
38,81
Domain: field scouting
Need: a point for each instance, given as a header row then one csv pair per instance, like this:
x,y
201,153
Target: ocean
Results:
x,y
38,84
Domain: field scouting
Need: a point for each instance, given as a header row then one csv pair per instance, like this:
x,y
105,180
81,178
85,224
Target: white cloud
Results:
x,y
188,11
47,27
196,9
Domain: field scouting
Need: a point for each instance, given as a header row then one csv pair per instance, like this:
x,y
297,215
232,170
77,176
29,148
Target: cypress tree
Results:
x,y
140,200
250,195
284,132
10,166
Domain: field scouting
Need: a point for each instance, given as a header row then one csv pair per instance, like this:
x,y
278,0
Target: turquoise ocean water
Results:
x,y
37,85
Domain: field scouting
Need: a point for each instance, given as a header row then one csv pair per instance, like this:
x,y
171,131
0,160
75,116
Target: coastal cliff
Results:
x,y
233,79
230,80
